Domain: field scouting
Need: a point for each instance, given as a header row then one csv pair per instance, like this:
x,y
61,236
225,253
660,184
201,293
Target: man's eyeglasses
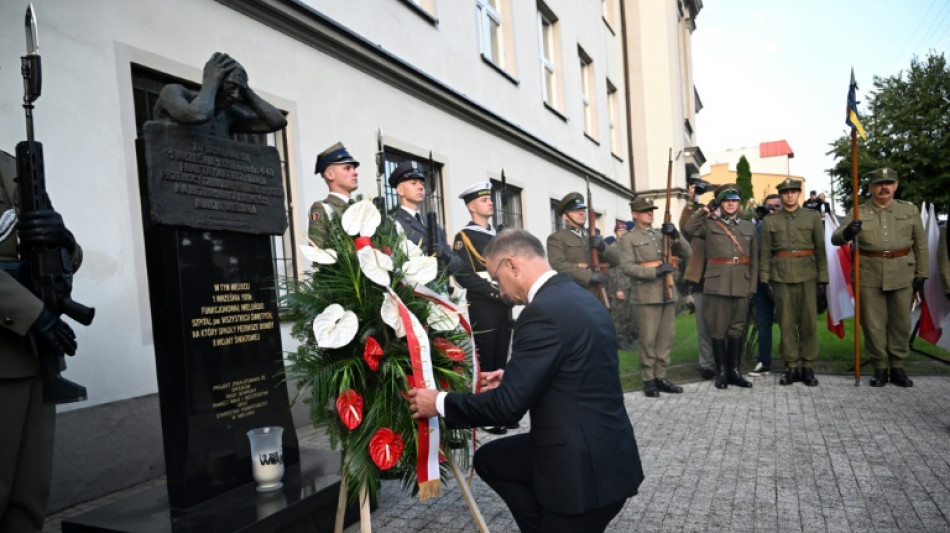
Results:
x,y
497,266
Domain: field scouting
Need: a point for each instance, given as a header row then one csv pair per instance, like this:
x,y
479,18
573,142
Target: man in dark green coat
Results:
x,y
338,169
895,262
569,249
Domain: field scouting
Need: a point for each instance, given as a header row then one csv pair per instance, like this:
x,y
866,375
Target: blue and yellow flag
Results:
x,y
852,119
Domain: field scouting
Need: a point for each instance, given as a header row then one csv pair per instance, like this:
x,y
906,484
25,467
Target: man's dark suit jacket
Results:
x,y
564,369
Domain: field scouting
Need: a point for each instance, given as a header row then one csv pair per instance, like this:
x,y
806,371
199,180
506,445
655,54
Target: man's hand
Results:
x,y
597,243
822,297
54,334
422,403
44,228
490,380
665,269
669,230
770,290
599,278
620,295
851,230
919,286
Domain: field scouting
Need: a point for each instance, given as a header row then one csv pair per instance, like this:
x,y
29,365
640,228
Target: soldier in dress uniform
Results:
x,y
489,312
569,249
338,169
693,275
895,263
792,263
618,290
410,184
641,258
729,281
26,426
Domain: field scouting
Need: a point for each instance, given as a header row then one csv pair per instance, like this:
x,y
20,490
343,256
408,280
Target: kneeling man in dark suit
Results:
x,y
579,463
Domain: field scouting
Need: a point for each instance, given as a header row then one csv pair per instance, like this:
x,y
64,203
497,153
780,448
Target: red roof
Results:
x,y
775,148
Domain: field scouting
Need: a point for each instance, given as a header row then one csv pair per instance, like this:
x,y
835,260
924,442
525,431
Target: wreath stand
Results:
x,y
366,525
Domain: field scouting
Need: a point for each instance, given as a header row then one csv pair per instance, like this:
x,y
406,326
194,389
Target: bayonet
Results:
x,y
32,37
31,69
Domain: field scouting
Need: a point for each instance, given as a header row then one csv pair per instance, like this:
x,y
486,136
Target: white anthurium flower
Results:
x,y
375,265
318,255
442,319
420,270
389,312
335,327
361,218
412,249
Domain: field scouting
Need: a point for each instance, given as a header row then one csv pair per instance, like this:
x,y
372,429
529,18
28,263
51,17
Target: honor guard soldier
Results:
x,y
489,312
894,265
729,280
26,439
792,263
641,258
410,184
693,276
569,249
338,169
619,292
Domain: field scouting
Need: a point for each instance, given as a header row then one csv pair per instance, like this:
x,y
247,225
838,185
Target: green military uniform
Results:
x,y
620,310
943,262
893,251
730,279
569,249
26,439
792,260
693,275
641,252
320,213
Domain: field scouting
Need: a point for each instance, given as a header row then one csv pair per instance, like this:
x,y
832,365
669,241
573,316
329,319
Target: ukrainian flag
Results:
x,y
852,119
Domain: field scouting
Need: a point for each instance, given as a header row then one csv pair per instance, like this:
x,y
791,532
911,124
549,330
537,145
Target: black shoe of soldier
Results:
x,y
899,378
650,390
708,373
665,385
880,377
808,377
791,376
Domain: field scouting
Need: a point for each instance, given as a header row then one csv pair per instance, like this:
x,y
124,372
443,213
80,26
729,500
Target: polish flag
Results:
x,y
935,307
840,294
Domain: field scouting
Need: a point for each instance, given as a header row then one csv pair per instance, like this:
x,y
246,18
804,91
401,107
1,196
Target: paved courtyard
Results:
x,y
831,458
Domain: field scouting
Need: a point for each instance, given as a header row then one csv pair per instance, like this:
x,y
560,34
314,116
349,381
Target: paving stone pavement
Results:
x,y
830,458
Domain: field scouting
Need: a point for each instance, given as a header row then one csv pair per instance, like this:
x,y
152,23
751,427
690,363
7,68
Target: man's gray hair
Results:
x,y
516,242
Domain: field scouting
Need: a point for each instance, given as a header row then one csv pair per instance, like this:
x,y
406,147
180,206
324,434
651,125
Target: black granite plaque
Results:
x,y
205,181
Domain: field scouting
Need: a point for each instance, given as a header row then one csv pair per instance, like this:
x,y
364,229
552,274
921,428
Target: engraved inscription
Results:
x,y
239,399
232,317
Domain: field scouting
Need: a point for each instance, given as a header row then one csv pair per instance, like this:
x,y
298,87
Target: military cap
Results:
x,y
789,184
620,225
332,156
882,175
407,170
642,204
728,191
476,191
571,202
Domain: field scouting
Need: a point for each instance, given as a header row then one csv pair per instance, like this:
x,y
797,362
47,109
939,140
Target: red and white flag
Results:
x,y
840,295
935,308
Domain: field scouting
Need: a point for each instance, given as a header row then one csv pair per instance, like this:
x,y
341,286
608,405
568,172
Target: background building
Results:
x,y
769,163
550,92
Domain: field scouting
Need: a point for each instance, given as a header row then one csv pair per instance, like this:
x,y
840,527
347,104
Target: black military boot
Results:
x,y
880,377
808,377
791,375
719,356
650,390
665,385
899,378
734,349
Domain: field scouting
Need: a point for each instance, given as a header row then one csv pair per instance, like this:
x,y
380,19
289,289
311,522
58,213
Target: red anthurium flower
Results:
x,y
349,406
385,448
448,349
387,250
372,353
443,384
362,242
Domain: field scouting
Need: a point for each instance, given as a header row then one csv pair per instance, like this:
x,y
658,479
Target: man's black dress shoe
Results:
x,y
650,390
665,385
880,377
708,373
899,378
808,377
495,430
791,376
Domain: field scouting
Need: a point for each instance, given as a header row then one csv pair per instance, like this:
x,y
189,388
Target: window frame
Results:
x,y
512,214
588,94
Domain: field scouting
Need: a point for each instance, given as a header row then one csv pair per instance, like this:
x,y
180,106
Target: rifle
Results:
x,y
431,215
594,254
380,172
667,218
504,201
47,271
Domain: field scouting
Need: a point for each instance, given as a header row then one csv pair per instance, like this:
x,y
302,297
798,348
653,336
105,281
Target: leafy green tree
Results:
x,y
907,121
744,179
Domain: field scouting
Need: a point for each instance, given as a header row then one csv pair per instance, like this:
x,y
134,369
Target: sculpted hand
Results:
x,y
217,68
422,403
851,230
54,334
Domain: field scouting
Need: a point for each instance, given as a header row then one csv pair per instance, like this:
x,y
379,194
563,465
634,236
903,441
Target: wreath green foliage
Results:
x,y
321,374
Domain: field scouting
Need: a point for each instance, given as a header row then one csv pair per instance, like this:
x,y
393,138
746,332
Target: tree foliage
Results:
x,y
744,179
907,120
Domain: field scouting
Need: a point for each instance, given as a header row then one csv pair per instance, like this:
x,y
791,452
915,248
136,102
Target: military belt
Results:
x,y
794,253
885,254
729,261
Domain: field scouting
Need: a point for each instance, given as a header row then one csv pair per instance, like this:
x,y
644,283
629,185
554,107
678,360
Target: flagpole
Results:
x,y
856,260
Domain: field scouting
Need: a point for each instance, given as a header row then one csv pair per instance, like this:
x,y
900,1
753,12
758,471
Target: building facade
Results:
x,y
769,163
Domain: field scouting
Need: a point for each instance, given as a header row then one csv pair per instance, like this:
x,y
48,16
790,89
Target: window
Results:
x,y
587,94
607,10
507,205
393,157
557,223
613,109
495,34
147,83
548,32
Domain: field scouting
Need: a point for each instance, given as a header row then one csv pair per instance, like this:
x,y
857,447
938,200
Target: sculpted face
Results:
x,y
232,89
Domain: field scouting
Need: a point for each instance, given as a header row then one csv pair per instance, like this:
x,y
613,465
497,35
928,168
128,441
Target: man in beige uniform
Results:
x,y
641,258
792,263
569,249
338,169
895,263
